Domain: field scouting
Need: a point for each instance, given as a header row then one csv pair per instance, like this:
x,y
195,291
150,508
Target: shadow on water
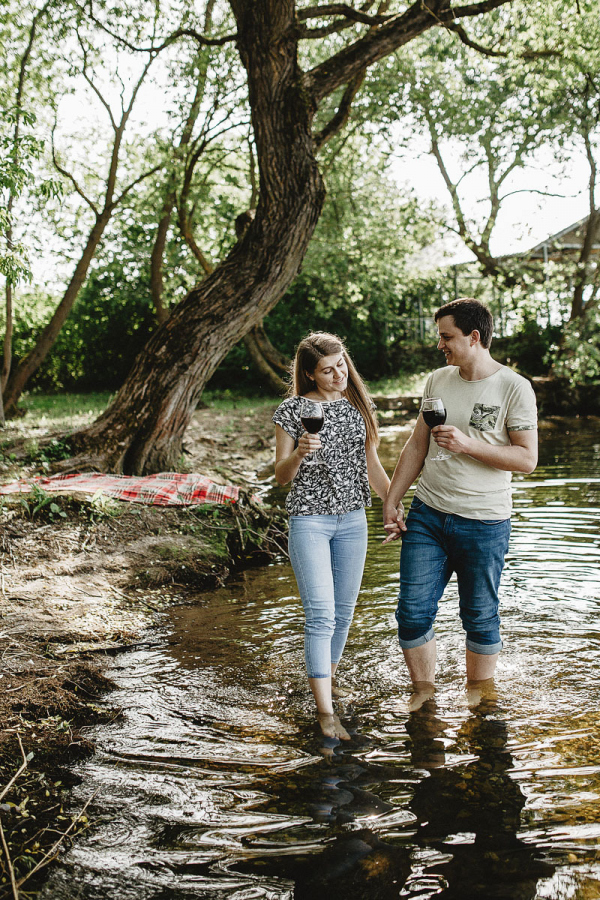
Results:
x,y
216,784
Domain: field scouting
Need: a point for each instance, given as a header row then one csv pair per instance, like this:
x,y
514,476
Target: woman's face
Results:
x,y
331,374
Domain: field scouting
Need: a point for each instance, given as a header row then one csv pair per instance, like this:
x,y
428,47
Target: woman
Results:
x,y
327,500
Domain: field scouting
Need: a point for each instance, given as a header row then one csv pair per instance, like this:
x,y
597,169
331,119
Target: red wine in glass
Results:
x,y
312,418
312,424
433,417
434,413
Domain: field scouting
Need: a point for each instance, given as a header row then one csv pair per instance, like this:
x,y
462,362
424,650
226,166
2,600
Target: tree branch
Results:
x,y
469,42
535,191
97,92
70,177
337,122
180,32
473,9
339,9
351,17
384,39
133,184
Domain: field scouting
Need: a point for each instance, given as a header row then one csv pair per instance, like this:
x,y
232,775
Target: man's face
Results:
x,y
456,346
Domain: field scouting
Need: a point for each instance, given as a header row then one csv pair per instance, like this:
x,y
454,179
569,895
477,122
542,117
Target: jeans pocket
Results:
x,y
493,521
417,504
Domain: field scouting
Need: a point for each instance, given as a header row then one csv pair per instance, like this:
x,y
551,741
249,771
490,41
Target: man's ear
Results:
x,y
475,337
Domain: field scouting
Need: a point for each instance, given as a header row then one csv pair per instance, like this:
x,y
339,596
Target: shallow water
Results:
x,y
215,783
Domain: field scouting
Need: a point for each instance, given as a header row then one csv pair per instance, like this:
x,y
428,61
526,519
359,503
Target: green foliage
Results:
x,y
43,456
577,358
109,325
358,278
18,153
40,504
527,349
101,507
61,412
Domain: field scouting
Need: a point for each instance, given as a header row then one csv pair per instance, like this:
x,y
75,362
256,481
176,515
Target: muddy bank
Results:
x,y
80,579
73,590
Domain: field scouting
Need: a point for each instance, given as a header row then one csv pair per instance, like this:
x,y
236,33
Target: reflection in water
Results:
x,y
472,813
216,784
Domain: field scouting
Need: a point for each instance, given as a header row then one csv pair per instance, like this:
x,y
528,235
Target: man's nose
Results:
x,y
440,345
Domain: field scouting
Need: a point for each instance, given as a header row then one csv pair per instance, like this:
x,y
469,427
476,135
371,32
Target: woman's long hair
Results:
x,y
308,353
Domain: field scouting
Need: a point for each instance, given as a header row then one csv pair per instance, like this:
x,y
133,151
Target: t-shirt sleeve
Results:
x,y
428,387
521,414
286,415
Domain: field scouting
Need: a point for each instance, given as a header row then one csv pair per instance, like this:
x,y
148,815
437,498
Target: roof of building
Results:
x,y
564,243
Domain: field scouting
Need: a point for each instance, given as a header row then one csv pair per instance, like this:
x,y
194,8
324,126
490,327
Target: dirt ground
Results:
x,y
81,579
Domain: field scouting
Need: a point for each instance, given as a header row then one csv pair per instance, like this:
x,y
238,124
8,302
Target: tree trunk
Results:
x,y
8,332
31,363
156,260
269,377
582,279
142,431
278,360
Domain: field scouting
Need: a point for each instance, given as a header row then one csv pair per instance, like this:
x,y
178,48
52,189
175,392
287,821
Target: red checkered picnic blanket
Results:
x,y
166,489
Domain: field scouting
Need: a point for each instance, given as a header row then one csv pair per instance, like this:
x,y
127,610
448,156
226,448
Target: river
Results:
x,y
215,784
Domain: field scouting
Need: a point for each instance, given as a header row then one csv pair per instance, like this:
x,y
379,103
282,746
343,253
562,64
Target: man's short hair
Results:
x,y
469,315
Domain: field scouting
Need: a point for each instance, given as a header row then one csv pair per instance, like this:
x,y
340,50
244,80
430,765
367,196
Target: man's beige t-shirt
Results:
x,y
486,410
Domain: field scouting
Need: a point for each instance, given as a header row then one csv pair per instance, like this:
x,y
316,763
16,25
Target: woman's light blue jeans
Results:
x,y
328,558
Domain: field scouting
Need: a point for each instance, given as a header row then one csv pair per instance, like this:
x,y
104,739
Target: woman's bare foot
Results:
x,y
332,727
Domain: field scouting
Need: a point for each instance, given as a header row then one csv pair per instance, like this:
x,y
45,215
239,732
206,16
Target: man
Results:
x,y
459,520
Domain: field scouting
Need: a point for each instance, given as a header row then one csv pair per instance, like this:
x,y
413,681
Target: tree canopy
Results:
x,y
166,123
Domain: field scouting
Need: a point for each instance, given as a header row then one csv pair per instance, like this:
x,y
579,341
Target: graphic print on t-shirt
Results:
x,y
483,417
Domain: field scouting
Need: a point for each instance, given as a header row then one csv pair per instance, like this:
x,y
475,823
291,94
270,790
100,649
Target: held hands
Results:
x,y
308,443
450,438
393,522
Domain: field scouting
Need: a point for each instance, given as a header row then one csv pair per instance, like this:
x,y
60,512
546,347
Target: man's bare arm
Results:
x,y
520,455
407,470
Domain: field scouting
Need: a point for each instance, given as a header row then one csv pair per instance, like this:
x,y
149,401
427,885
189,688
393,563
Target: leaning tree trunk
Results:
x,y
31,363
142,430
269,377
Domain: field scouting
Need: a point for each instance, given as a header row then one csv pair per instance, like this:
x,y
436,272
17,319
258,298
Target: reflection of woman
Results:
x,y
328,529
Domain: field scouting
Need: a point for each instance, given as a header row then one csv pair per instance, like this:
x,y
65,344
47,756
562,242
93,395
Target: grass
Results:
x,y
227,399
60,411
399,385
65,412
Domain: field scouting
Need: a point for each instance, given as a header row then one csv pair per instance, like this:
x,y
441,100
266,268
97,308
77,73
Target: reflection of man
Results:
x,y
459,520
471,813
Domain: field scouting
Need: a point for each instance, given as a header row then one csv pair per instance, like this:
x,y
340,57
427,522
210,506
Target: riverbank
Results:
x,y
81,578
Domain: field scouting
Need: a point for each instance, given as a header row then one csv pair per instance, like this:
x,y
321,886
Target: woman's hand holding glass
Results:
x,y
312,418
308,443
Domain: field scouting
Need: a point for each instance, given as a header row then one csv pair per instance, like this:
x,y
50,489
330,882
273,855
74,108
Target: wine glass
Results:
x,y
312,418
434,413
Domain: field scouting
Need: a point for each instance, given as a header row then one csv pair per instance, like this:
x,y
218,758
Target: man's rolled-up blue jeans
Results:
x,y
435,545
328,557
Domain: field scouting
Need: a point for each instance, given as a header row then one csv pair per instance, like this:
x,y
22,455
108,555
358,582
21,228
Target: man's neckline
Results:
x,y
475,380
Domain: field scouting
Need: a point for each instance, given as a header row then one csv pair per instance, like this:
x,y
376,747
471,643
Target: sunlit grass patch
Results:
x,y
61,411
226,400
399,385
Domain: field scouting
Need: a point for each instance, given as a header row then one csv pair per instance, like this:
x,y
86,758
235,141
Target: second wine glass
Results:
x,y
434,413
312,418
